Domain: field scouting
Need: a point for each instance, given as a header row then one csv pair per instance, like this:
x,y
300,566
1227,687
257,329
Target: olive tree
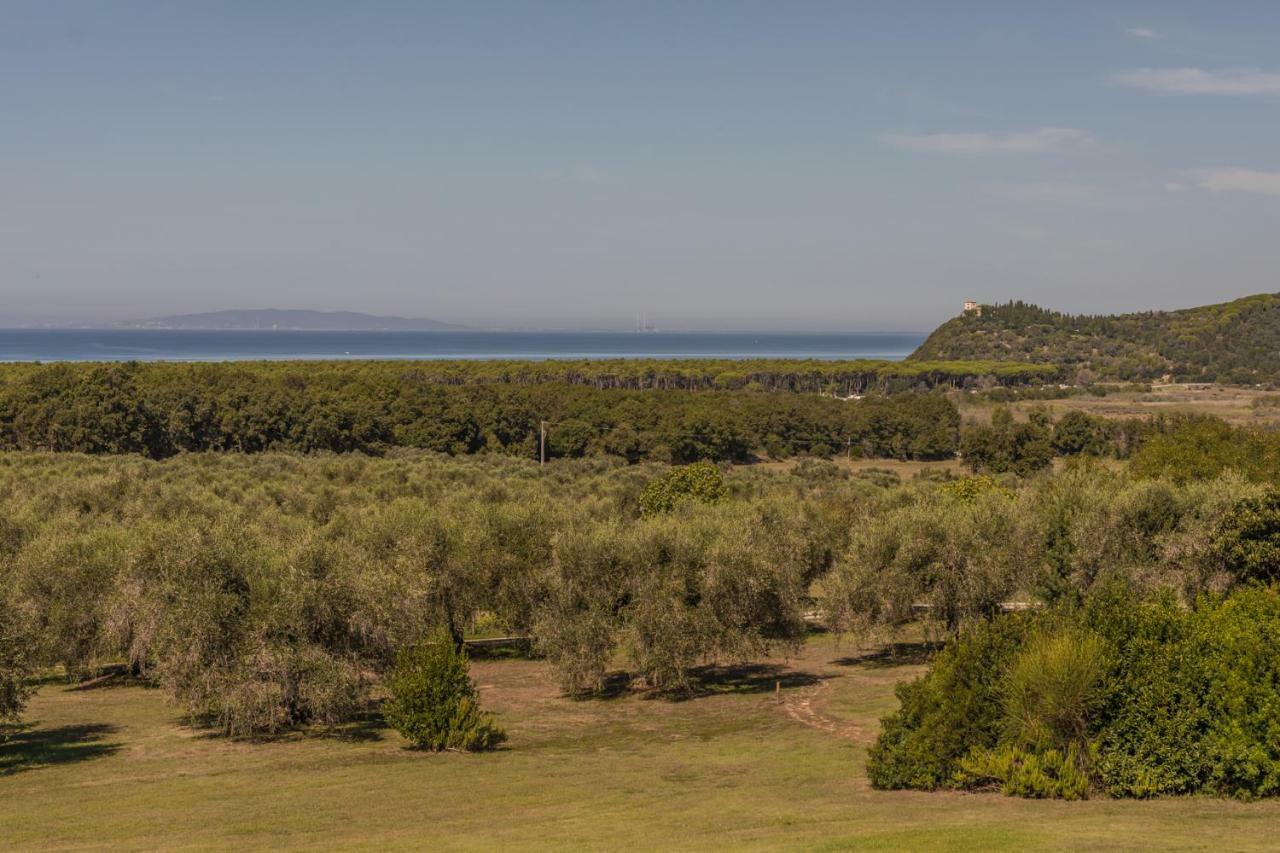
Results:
x,y
15,665
955,556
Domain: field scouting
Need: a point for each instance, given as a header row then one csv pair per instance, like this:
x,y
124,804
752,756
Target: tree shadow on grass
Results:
x,y
710,680
519,648
744,679
892,655
367,726
614,685
28,748
44,679
110,681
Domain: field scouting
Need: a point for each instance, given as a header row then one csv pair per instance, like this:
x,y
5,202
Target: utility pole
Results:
x,y
542,441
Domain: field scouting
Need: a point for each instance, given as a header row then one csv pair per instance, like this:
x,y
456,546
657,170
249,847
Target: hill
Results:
x,y
292,320
1234,342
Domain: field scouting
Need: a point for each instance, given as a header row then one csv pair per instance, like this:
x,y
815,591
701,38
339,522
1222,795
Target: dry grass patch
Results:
x,y
1235,405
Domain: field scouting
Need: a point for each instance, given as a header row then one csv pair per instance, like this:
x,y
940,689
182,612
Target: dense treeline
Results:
x,y
161,409
858,376
1233,342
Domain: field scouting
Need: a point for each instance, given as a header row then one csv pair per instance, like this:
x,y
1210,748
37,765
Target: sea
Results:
x,y
46,345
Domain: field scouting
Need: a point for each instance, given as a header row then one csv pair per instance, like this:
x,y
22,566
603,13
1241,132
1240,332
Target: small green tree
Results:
x,y
1080,432
1004,445
701,481
434,702
1054,688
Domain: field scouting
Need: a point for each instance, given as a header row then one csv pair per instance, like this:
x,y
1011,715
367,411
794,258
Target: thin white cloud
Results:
x,y
1045,140
1049,192
1238,180
1175,187
1198,81
1144,33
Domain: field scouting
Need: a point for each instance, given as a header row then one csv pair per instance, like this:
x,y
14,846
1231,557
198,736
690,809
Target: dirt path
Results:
x,y
799,705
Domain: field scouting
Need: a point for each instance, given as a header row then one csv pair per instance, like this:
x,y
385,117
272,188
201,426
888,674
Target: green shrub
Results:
x,y
969,489
434,703
1009,704
1248,542
1053,690
69,576
1080,432
1051,774
1136,698
952,710
1195,698
701,482
1197,447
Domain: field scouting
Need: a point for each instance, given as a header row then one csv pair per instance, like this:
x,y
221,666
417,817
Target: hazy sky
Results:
x,y
771,165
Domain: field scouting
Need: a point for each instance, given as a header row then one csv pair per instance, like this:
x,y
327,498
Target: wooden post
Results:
x,y
542,442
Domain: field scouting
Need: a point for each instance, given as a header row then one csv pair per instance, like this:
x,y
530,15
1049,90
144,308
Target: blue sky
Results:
x,y
802,165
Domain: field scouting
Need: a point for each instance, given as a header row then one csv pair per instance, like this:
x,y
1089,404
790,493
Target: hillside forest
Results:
x,y
1233,342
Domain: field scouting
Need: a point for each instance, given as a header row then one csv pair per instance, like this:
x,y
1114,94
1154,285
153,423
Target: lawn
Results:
x,y
744,766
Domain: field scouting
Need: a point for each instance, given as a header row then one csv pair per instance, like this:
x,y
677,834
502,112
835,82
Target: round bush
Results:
x,y
434,703
701,482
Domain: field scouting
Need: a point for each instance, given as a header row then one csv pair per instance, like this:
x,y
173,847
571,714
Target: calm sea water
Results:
x,y
163,345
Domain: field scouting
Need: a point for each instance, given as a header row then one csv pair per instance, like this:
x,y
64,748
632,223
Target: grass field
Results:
x,y
1233,404
740,767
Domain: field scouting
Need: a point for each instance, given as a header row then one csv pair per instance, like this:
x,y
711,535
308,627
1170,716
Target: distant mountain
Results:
x,y
292,320
1235,342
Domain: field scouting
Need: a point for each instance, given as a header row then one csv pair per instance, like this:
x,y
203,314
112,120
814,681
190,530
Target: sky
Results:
x,y
844,166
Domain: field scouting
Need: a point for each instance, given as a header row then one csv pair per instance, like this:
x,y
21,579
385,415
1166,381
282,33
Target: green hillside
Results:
x,y
1235,342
